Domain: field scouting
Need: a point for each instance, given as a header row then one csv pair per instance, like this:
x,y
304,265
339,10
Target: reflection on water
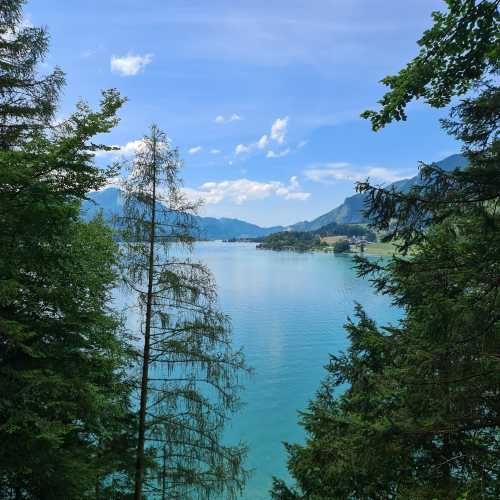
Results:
x,y
287,312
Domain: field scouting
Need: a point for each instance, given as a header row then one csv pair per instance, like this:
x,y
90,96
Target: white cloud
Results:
x,y
279,154
130,64
241,149
195,150
301,144
87,53
132,147
240,191
215,151
128,149
263,142
278,130
343,171
277,134
221,120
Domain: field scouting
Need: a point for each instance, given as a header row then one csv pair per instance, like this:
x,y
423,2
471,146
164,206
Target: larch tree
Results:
x,y
190,374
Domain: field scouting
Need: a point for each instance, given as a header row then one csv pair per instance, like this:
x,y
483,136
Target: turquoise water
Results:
x,y
287,311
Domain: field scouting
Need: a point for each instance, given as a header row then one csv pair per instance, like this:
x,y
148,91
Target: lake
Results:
x,y
288,312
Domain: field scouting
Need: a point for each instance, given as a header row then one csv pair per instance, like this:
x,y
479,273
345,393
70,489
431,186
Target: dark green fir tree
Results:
x,y
420,417
65,419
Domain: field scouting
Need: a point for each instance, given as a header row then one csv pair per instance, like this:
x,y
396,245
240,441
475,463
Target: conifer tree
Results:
x,y
421,416
190,373
64,399
27,101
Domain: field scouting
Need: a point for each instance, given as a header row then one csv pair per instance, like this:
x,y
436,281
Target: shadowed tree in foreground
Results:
x,y
65,420
421,415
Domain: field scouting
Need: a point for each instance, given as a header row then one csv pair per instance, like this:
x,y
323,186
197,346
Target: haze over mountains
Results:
x,y
349,212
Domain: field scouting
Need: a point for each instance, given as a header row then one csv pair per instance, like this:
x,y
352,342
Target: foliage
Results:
x,y
420,417
306,241
27,101
459,49
341,246
64,406
190,373
291,240
61,355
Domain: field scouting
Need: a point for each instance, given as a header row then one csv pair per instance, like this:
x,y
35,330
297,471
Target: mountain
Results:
x,y
109,201
350,211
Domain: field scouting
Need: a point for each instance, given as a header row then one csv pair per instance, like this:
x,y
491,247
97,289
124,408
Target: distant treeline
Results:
x,y
305,241
292,240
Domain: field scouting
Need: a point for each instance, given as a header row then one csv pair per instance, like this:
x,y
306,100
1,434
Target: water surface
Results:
x,y
288,312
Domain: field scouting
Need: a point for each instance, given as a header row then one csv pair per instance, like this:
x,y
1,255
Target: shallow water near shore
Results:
x,y
287,311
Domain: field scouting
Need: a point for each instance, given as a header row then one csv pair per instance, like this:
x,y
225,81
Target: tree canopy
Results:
x,y
461,47
411,410
64,412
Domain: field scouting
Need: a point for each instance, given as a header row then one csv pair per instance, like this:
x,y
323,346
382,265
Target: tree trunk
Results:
x,y
164,478
139,468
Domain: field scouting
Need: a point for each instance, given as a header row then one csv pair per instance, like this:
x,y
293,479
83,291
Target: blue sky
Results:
x,y
262,97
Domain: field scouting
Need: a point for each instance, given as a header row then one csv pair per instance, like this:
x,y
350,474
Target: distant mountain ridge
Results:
x,y
210,228
350,211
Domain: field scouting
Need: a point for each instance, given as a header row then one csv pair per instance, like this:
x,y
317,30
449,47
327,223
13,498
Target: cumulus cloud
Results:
x,y
221,120
215,151
263,142
343,171
277,135
241,149
195,150
280,154
240,191
278,130
132,147
128,149
130,64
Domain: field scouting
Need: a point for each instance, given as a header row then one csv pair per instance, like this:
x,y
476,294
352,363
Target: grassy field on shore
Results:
x,y
378,249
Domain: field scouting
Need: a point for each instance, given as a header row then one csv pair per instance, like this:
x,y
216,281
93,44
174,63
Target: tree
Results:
x,y
189,374
61,355
420,418
341,246
64,406
461,48
27,101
